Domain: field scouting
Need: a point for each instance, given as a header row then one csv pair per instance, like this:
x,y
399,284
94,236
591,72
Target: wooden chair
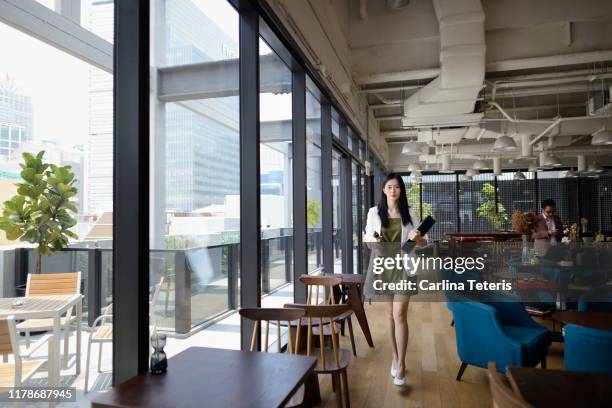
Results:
x,y
13,374
49,284
277,316
332,361
320,290
102,330
503,395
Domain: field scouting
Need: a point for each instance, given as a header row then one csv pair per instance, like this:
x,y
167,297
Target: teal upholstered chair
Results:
x,y
598,299
587,349
496,328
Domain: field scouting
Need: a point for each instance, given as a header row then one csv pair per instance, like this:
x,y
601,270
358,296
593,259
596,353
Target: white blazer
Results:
x,y
374,224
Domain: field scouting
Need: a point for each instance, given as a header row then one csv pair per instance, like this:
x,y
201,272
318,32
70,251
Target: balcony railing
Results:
x,y
199,283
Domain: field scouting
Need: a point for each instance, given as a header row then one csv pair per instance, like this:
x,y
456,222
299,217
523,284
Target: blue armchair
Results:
x,y
497,329
598,299
587,349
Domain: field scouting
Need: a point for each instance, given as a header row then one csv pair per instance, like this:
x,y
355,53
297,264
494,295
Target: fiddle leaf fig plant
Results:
x,y
42,211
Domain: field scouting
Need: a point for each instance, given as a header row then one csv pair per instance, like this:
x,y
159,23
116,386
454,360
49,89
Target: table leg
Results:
x,y
79,315
54,354
354,295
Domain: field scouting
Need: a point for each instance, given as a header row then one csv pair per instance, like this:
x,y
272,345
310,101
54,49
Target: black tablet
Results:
x,y
426,225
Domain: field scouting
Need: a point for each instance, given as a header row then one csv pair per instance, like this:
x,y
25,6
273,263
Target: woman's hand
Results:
x,y
415,235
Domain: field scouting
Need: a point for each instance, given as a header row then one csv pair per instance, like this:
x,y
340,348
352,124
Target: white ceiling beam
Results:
x,y
549,61
54,29
71,9
411,75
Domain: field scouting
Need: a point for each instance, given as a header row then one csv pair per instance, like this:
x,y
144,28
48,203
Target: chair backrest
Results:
x,y
319,313
8,339
587,349
48,284
317,284
503,395
278,315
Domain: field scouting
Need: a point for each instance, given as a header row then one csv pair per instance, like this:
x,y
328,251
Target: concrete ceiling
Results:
x,y
522,68
544,60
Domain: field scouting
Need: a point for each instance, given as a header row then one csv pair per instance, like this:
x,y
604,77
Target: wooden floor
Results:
x,y
432,364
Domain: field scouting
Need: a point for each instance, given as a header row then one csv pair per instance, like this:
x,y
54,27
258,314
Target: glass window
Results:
x,y
195,182
355,214
276,174
313,182
337,197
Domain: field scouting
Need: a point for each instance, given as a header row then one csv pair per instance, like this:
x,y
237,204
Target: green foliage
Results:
x,y
313,213
41,212
487,208
415,203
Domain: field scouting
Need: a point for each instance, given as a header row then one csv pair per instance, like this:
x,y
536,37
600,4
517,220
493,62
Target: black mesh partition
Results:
x,y
439,201
553,185
605,202
588,190
477,205
516,195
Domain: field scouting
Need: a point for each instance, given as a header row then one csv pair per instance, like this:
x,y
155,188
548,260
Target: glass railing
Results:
x,y
198,285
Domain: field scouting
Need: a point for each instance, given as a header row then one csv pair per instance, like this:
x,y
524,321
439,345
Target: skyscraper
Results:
x,y
15,118
202,149
99,166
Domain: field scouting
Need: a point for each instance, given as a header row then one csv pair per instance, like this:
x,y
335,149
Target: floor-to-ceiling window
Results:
x,y
355,239
314,180
276,166
337,162
194,172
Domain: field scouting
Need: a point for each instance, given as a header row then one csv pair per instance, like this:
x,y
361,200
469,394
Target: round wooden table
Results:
x,y
594,320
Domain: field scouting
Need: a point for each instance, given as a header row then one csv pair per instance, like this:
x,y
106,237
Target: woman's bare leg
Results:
x,y
391,324
400,320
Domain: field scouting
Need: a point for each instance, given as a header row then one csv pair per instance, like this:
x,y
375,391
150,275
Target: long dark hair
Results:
x,y
383,207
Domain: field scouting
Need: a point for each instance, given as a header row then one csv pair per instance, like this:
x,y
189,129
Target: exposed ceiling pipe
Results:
x,y
526,148
581,162
561,120
502,84
397,4
390,89
540,90
462,50
363,9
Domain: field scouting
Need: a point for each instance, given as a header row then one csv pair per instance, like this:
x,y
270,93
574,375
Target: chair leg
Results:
x,y
87,364
543,363
461,371
27,336
336,377
334,382
100,358
66,345
345,389
352,337
342,327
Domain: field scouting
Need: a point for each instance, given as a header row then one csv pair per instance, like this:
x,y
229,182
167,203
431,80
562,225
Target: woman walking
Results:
x,y
389,226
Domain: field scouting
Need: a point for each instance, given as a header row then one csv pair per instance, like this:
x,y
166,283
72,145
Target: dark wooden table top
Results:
x,y
208,377
558,388
595,320
348,278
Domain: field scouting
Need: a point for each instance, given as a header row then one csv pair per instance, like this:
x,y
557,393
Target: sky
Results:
x,y
58,83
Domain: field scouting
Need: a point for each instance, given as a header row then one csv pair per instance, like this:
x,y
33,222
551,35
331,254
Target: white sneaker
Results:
x,y
399,381
393,370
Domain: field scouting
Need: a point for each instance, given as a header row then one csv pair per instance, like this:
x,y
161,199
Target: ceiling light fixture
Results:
x,y
411,149
533,168
595,168
504,144
552,161
571,173
414,167
467,178
602,138
446,164
472,172
519,175
480,165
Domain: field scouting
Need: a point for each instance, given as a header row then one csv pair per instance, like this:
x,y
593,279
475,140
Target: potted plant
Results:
x,y
42,211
